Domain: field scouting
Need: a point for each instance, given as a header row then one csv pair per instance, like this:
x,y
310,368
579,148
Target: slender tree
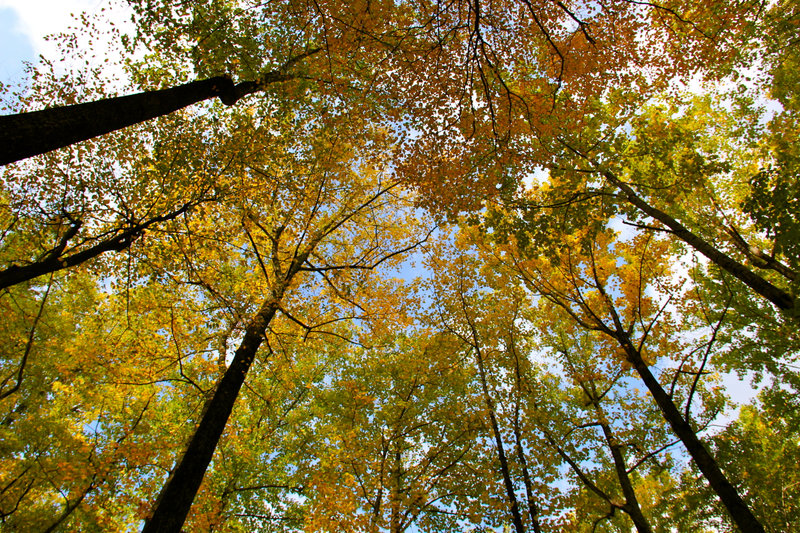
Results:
x,y
577,280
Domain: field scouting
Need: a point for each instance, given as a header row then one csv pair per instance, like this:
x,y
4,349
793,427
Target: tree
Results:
x,y
36,132
269,209
64,212
58,258
252,291
388,453
582,278
399,56
290,245
560,400
81,424
665,153
459,307
594,392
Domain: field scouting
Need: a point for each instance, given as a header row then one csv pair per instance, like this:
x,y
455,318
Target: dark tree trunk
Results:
x,y
742,517
28,134
631,506
778,297
516,515
727,493
176,497
533,509
396,522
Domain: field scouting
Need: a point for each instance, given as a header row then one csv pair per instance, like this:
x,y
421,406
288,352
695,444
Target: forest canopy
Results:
x,y
404,266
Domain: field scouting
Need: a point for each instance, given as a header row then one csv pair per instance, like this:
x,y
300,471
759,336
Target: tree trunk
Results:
x,y
395,522
727,493
533,510
780,298
516,516
28,134
631,506
176,497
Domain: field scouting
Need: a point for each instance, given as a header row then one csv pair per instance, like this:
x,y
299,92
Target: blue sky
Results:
x,y
15,46
24,24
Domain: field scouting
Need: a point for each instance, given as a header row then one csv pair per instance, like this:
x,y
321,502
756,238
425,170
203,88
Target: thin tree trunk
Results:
x,y
631,506
738,509
37,132
70,508
498,439
533,509
176,497
727,493
516,516
395,523
780,298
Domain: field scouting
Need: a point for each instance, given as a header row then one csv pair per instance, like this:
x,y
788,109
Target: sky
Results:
x,y
24,24
16,45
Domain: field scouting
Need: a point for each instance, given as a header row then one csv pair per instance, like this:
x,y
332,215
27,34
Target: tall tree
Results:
x,y
606,291
458,314
596,389
331,227
390,456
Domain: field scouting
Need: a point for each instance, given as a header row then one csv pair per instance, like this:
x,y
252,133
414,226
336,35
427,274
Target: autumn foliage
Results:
x,y
436,266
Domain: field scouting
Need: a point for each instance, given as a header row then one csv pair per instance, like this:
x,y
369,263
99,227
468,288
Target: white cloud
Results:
x,y
39,18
